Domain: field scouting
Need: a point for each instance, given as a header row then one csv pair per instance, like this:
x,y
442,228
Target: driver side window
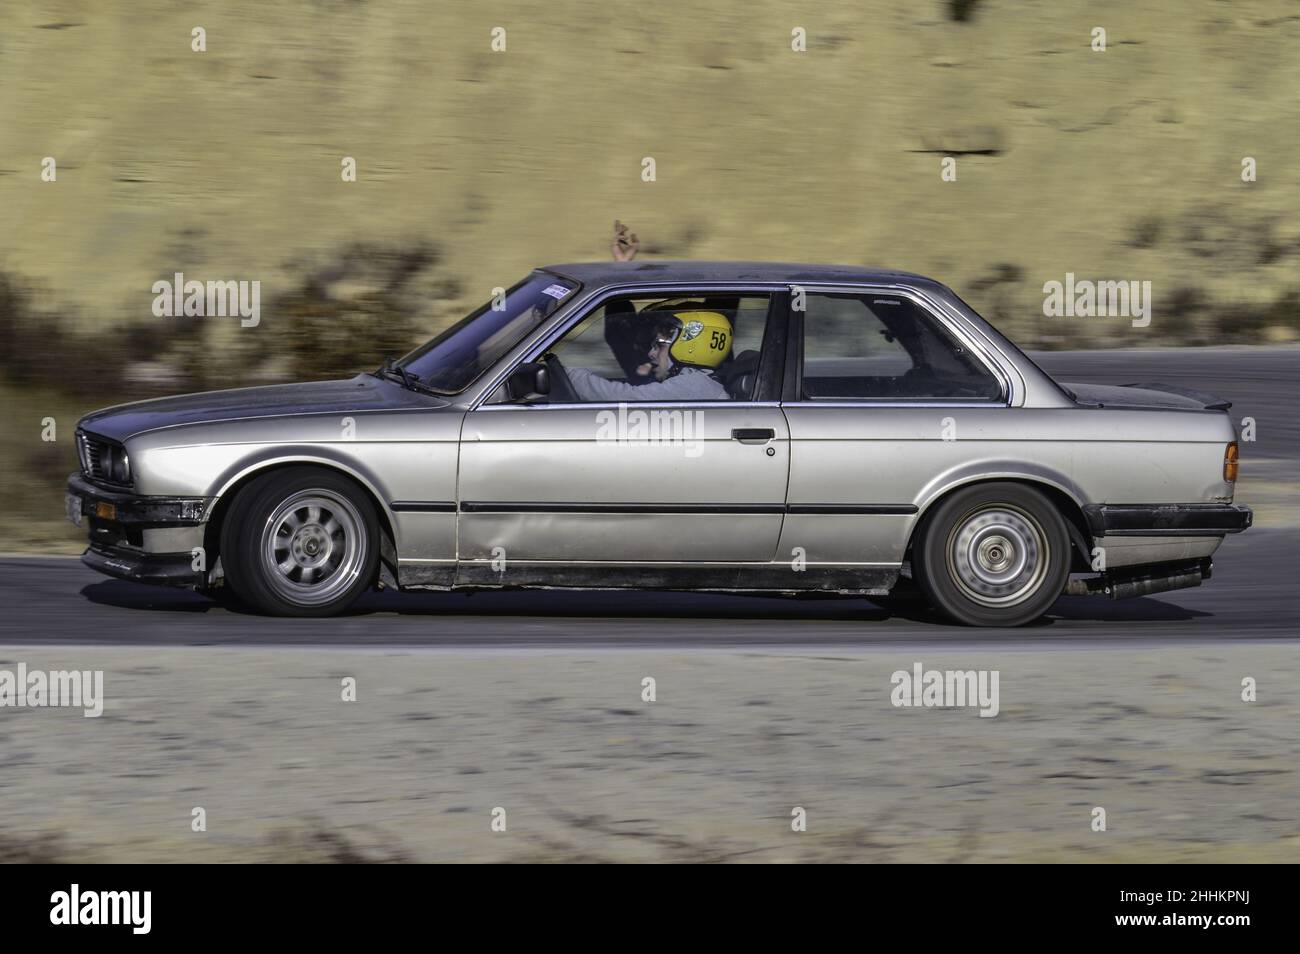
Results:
x,y
612,354
585,347
881,347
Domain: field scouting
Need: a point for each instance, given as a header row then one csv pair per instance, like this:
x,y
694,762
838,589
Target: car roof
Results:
x,y
597,274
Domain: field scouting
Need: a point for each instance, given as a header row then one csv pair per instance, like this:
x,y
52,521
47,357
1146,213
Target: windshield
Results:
x,y
454,359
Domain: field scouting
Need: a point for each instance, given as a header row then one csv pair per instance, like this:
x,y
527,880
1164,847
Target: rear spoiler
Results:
x,y
1208,401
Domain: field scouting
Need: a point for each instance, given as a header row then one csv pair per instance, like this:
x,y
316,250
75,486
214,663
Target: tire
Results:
x,y
302,541
994,554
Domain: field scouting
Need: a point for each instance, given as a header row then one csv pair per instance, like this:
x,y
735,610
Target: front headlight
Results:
x,y
117,466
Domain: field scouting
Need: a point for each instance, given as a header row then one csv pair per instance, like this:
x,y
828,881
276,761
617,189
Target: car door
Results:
x,y
621,493
883,397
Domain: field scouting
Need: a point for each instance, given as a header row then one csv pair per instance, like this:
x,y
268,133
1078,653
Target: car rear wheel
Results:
x,y
993,555
300,542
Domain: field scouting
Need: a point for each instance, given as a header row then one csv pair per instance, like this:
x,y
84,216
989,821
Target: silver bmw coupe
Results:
x,y
712,426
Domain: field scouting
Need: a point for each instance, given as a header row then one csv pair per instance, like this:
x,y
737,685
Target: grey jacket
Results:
x,y
690,384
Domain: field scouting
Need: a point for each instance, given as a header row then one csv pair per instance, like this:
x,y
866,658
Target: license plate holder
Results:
x,y
72,504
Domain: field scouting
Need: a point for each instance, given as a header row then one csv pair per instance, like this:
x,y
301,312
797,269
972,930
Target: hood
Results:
x,y
362,393
1144,396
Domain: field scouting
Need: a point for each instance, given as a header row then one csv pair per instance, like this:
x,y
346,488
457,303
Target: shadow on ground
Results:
x,y
638,605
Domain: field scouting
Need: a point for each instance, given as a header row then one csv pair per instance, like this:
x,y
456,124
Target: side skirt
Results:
x,y
718,577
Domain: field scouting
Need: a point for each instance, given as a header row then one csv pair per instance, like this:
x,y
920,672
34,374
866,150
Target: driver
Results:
x,y
687,349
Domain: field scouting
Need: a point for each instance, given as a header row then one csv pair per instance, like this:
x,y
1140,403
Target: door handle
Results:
x,y
753,435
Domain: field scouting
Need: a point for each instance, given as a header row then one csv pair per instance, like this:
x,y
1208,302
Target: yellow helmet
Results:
x,y
700,339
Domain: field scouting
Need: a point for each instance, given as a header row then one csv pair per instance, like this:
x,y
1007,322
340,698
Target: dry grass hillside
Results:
x,y
226,163
474,165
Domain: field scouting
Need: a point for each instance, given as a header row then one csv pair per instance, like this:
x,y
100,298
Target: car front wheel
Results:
x,y
302,541
993,555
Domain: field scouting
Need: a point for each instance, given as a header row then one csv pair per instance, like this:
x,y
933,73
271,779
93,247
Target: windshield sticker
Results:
x,y
555,291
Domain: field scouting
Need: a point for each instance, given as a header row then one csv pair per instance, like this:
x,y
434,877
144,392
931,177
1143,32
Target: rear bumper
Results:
x,y
125,563
1166,520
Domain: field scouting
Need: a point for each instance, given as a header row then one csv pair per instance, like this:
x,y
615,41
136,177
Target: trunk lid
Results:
x,y
1148,395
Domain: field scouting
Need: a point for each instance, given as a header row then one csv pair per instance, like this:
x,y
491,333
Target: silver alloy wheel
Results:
x,y
313,547
998,555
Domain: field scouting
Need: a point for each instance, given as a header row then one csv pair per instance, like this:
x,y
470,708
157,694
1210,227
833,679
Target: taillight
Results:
x,y
1230,464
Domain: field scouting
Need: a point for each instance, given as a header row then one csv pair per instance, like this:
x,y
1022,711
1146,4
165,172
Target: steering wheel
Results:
x,y
561,387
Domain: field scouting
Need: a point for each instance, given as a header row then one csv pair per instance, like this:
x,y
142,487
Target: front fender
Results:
x,y
274,458
327,456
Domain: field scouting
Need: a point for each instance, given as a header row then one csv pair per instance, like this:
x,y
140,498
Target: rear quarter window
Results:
x,y
886,348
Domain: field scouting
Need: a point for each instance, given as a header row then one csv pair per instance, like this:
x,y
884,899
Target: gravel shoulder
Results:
x,y
710,771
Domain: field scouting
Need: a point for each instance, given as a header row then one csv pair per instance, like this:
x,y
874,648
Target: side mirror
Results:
x,y
528,380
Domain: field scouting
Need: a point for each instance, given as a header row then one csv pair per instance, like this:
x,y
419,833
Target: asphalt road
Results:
x,y
1252,595
58,601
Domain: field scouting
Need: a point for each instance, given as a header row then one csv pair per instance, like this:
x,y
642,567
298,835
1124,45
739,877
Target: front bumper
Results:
x,y
128,509
128,563
121,524
1166,520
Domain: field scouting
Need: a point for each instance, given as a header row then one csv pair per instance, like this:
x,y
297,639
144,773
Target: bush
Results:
x,y
337,318
1146,232
1248,322
34,342
348,315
